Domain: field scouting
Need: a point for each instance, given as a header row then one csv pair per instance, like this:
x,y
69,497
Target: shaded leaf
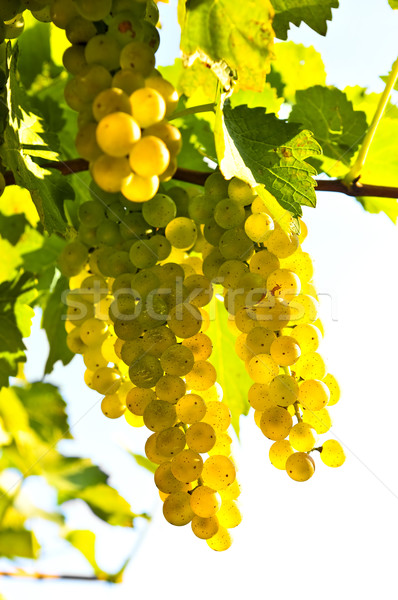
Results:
x,y
238,33
315,13
328,113
53,322
12,227
71,475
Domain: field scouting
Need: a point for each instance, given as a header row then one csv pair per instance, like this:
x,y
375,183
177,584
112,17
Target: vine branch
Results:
x,y
41,576
77,165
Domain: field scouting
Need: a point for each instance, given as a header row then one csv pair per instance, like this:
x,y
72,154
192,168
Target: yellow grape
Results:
x,y
313,394
218,472
149,156
319,420
177,509
285,351
279,453
300,466
221,541
117,134
202,376
139,189
148,107
302,437
262,368
229,515
332,453
276,423
113,406
191,408
187,466
110,173
200,437
204,501
283,390
283,283
310,366
204,527
308,337
334,389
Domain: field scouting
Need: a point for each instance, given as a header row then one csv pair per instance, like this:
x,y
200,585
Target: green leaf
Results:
x,y
53,322
46,409
9,366
393,3
328,113
18,542
84,541
368,102
8,268
144,462
10,335
107,504
315,13
12,227
41,259
268,99
298,66
71,475
377,205
238,33
263,149
226,362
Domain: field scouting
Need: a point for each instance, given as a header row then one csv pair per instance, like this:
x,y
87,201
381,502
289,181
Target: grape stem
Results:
x,y
357,167
193,110
355,189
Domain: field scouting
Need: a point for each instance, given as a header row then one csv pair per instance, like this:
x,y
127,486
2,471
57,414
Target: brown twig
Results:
x,y
356,189
21,573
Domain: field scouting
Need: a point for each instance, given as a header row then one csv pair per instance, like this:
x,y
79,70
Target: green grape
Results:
x,y
285,351
72,259
165,89
282,244
200,290
159,415
216,187
258,227
145,372
262,368
14,27
9,9
152,454
62,12
125,27
259,340
143,254
190,408
231,271
113,406
241,192
218,472
43,15
187,466
103,50
169,134
221,541
177,360
138,399
74,341
164,478
276,423
212,264
204,527
332,453
334,388
313,395
150,35
264,263
92,331
148,107
283,390
273,313
201,208
152,12
91,213
200,345
259,397
301,264
283,283
212,232
74,59
170,442
253,287
185,320
106,380
127,329
181,233
93,358
200,437
91,80
94,10
149,156
229,214
79,311
170,388
134,226
229,515
108,233
300,466
86,142
204,501
202,376
156,341
279,453
105,198
117,133
116,212
177,509
159,211
80,30
302,437
217,415
132,350
87,236
143,283
310,366
140,189
128,81
139,57
234,244
161,246
180,197
308,337
110,173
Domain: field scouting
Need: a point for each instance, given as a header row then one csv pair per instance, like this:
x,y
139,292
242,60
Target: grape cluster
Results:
x,y
273,308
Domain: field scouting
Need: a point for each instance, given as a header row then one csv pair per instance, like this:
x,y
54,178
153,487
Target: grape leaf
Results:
x,y
84,541
267,99
298,66
18,542
315,13
12,227
107,504
328,113
238,33
368,102
53,322
393,3
273,152
71,475
226,362
46,410
144,462
9,362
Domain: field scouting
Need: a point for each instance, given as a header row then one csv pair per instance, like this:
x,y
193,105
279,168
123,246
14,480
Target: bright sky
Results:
x,y
337,533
